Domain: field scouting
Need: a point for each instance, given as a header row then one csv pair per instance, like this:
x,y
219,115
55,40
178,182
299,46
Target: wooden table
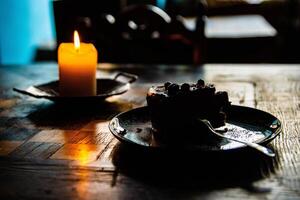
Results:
x,y
236,26
50,151
238,38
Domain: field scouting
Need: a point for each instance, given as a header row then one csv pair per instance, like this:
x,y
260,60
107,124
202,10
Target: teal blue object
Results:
x,y
161,3
24,25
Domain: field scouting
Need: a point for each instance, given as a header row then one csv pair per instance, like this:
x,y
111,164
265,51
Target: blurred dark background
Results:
x,y
154,31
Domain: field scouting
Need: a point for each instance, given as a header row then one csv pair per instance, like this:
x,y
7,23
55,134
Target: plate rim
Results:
x,y
57,98
130,78
266,140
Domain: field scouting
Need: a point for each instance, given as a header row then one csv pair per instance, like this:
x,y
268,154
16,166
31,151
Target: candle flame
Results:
x,y
76,40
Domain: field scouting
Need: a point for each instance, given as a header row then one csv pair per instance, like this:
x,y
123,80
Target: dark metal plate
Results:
x,y
105,88
243,123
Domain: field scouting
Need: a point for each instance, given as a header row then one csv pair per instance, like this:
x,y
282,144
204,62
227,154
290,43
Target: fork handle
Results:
x,y
258,147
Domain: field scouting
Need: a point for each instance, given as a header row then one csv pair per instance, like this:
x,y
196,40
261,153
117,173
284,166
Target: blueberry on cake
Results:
x,y
175,109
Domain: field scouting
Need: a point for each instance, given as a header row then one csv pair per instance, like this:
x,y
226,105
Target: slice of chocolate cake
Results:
x,y
175,109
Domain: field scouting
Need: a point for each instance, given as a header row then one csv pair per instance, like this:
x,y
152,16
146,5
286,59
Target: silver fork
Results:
x,y
253,145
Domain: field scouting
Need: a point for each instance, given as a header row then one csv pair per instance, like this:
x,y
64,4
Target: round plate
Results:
x,y
243,123
105,88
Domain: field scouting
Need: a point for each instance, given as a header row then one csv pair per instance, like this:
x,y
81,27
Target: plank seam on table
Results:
x,y
105,149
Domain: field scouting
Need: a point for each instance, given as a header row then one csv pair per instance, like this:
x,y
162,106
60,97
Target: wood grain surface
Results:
x,y
65,151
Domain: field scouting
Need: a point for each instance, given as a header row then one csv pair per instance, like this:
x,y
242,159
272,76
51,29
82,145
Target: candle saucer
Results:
x,y
107,87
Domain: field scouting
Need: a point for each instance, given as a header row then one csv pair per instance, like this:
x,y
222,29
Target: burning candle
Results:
x,y
77,68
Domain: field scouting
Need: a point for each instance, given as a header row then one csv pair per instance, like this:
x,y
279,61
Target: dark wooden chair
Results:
x,y
138,33
85,16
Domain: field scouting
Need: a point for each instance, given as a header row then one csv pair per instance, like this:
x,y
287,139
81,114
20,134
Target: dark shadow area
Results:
x,y
74,115
194,171
186,32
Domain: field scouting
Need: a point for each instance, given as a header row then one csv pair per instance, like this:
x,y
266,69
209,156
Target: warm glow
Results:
x,y
76,40
83,155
